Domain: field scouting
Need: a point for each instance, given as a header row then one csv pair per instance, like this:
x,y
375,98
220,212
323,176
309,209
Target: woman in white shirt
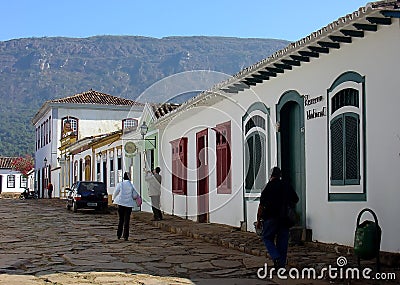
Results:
x,y
125,197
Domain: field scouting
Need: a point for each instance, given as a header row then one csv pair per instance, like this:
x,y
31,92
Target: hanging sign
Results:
x,y
130,148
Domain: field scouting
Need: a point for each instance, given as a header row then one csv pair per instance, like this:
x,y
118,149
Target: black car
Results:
x,y
87,195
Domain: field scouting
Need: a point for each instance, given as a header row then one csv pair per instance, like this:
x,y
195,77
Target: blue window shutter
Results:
x,y
352,149
337,170
250,164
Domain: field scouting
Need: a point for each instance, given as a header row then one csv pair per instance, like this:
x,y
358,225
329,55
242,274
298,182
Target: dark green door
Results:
x,y
291,146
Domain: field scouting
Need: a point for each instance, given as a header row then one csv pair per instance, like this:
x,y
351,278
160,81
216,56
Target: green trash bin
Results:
x,y
367,238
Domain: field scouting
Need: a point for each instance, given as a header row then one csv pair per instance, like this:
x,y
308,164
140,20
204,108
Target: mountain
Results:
x,y
34,70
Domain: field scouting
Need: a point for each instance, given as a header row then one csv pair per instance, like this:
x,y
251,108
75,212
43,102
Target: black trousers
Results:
x,y
124,214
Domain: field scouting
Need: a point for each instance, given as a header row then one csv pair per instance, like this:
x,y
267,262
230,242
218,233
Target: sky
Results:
x,y
274,19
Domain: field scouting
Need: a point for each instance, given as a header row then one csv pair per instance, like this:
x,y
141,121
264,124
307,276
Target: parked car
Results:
x,y
87,195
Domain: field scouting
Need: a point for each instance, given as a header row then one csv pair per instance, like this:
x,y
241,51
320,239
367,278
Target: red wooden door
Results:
x,y
202,176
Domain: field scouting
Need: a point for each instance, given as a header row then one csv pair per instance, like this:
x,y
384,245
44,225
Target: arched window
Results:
x,y
345,97
88,167
256,147
346,138
255,121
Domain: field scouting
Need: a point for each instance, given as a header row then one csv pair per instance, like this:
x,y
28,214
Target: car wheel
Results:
x,y
74,207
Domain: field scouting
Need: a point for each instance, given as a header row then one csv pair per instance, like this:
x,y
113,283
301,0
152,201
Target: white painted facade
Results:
x,y
223,208
93,119
12,181
374,59
103,163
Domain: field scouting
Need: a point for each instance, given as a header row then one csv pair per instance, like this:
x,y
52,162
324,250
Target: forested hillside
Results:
x,y
34,70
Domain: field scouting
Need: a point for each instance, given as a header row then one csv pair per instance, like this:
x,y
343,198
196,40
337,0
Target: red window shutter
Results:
x,y
183,164
219,167
223,163
179,166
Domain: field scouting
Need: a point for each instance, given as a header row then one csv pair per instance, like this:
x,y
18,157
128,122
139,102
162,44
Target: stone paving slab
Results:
x,y
43,243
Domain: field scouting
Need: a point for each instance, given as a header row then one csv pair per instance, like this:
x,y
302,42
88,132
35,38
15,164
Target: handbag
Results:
x,y
139,201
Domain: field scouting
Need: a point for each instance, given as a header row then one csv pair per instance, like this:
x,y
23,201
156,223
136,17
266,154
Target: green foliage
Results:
x,y
35,70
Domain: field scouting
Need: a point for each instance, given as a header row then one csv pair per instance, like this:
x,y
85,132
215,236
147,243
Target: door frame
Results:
x,y
203,215
293,96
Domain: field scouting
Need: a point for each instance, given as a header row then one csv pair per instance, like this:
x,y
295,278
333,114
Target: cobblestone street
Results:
x,y
43,243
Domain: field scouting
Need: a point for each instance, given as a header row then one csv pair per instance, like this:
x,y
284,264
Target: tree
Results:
x,y
23,164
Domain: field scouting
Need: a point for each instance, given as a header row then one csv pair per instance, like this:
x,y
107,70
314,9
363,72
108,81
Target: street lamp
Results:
x,y
143,131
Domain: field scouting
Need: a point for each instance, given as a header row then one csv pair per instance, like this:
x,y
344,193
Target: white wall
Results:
x,y
4,185
93,120
376,57
223,208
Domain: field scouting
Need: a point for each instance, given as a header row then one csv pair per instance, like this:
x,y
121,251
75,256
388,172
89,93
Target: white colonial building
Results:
x,y
324,109
12,181
61,122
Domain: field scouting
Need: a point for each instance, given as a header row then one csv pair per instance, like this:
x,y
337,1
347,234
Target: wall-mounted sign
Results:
x,y
312,114
311,101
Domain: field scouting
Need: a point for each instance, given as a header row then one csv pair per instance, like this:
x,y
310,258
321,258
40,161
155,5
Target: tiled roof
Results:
x,y
163,109
95,97
330,36
5,162
306,49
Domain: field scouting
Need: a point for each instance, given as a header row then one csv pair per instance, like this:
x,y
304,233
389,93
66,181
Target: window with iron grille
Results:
x,y
129,123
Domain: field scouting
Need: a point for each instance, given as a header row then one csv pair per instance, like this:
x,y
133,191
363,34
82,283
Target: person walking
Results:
x,y
50,190
125,196
271,216
153,180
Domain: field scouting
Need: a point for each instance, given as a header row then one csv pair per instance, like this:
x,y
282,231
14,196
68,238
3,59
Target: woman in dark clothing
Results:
x,y
275,198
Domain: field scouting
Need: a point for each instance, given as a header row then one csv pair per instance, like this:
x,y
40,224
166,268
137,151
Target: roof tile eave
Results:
x,y
289,49
95,97
294,46
6,162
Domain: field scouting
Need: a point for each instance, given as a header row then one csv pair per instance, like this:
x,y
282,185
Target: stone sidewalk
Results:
x,y
305,255
42,243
